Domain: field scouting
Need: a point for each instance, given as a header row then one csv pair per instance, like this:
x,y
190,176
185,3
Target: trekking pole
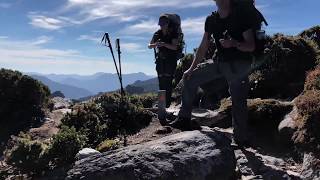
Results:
x,y
155,54
119,59
105,40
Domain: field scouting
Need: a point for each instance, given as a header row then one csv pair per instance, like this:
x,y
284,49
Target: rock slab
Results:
x,y
190,155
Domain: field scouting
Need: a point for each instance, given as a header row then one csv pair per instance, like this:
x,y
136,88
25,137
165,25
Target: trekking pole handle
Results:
x,y
118,45
108,39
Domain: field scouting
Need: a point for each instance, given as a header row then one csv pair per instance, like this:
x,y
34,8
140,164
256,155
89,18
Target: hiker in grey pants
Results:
x,y
234,38
236,75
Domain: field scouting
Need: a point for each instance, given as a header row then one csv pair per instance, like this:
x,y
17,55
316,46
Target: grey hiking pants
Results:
x,y
236,73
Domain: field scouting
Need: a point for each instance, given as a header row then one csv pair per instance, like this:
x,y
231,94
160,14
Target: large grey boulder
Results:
x,y
191,155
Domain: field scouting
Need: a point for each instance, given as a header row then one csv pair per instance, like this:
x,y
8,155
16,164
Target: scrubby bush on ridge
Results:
x,y
28,155
65,145
22,102
106,117
108,145
281,72
308,105
312,34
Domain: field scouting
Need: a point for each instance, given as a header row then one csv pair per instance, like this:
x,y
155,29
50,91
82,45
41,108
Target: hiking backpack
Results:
x,y
175,26
259,33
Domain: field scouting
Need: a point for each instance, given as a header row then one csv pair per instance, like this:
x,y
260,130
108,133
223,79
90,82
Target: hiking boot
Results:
x,y
181,123
185,124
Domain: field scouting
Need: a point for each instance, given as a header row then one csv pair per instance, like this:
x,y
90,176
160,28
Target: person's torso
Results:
x,y
164,52
224,28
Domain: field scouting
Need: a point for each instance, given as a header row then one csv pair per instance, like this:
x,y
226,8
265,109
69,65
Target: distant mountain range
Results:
x,y
69,91
138,87
77,86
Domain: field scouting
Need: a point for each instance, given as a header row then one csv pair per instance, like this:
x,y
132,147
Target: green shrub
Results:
x,y
312,34
90,119
148,100
136,100
108,145
123,115
22,102
28,155
107,116
143,100
281,72
65,145
266,114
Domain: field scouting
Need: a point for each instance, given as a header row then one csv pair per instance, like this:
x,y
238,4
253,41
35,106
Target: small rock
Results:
x,y
163,130
86,152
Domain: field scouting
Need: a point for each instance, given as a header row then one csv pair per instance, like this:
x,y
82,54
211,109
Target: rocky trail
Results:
x,y
265,159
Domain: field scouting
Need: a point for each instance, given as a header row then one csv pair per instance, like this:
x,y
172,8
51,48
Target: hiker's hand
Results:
x,y
152,45
228,43
161,44
187,74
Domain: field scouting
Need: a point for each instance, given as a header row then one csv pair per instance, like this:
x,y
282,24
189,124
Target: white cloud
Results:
x,y
27,57
133,47
84,11
42,40
125,46
190,26
81,1
46,22
193,26
10,49
149,26
89,38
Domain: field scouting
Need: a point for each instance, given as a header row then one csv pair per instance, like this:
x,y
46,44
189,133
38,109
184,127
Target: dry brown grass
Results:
x,y
308,134
313,79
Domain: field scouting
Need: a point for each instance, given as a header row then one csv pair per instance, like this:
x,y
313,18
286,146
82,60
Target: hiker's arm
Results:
x,y
203,48
172,46
248,45
152,43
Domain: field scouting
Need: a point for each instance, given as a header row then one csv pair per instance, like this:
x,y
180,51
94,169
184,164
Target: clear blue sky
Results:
x,y
62,36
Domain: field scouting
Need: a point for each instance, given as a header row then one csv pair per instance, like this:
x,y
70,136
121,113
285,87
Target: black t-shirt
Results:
x,y
165,52
234,26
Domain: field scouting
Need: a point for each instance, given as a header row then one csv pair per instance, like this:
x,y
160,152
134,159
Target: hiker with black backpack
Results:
x,y
167,47
235,27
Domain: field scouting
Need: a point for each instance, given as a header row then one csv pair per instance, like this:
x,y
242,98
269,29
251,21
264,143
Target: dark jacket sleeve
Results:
x,y
208,26
155,37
